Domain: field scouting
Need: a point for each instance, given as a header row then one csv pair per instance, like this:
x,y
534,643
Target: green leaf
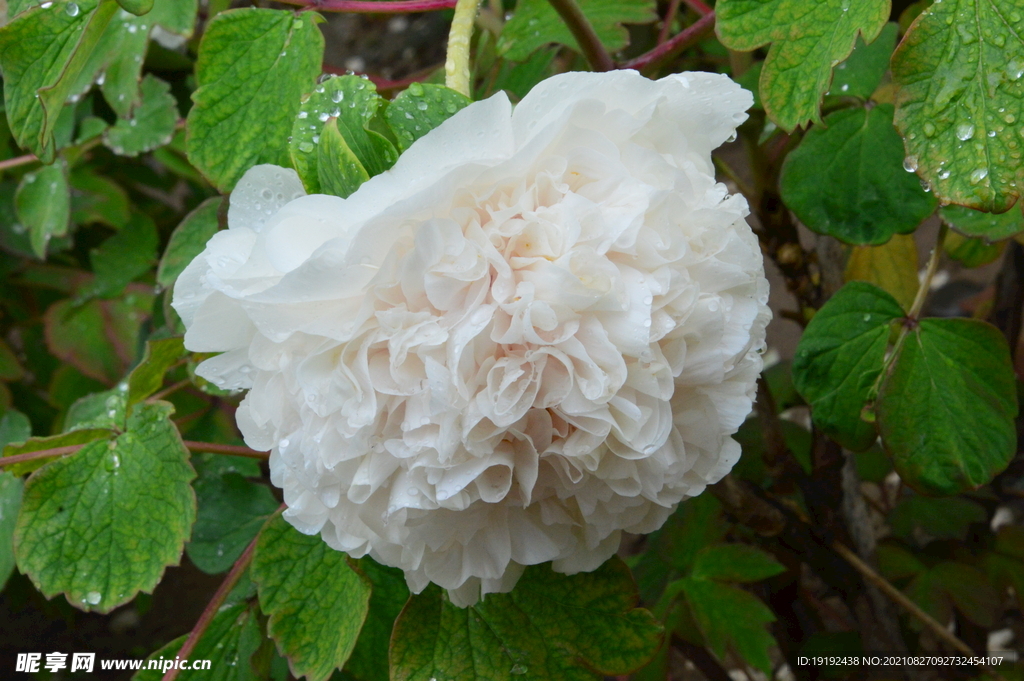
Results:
x,y
972,252
536,23
151,124
315,600
124,257
229,643
551,626
839,358
958,430
338,170
672,550
231,512
10,367
43,52
104,410
136,7
949,584
10,502
354,102
935,518
862,72
369,660
123,47
43,202
735,563
847,179
420,108
991,226
731,619
895,562
102,524
14,428
519,79
253,66
98,337
960,100
148,376
808,37
188,240
95,198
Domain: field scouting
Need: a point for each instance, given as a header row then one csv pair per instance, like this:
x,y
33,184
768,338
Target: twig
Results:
x,y
910,606
728,171
192,445
41,454
933,265
374,6
581,29
679,42
170,389
699,7
213,606
914,313
666,24
230,450
18,161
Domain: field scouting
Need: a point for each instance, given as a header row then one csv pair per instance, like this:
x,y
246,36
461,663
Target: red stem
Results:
x,y
699,7
679,42
581,29
231,450
374,6
18,161
666,26
213,606
192,445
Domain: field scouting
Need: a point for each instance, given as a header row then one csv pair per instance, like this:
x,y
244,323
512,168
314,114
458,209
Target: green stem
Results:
x,y
933,266
581,29
456,66
914,313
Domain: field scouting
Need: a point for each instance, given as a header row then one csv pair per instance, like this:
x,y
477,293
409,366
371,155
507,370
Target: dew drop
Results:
x,y
964,132
93,597
910,164
72,9
422,106
979,175
305,147
929,130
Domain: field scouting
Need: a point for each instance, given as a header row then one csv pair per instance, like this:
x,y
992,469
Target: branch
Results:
x,y
374,6
583,31
192,445
18,161
910,606
213,606
230,450
926,283
699,7
686,38
771,519
666,24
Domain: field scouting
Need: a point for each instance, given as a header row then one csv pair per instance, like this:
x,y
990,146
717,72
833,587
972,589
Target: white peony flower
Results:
x,y
539,329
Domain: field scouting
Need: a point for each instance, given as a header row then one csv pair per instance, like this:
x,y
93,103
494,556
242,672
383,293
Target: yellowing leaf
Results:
x,y
891,267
